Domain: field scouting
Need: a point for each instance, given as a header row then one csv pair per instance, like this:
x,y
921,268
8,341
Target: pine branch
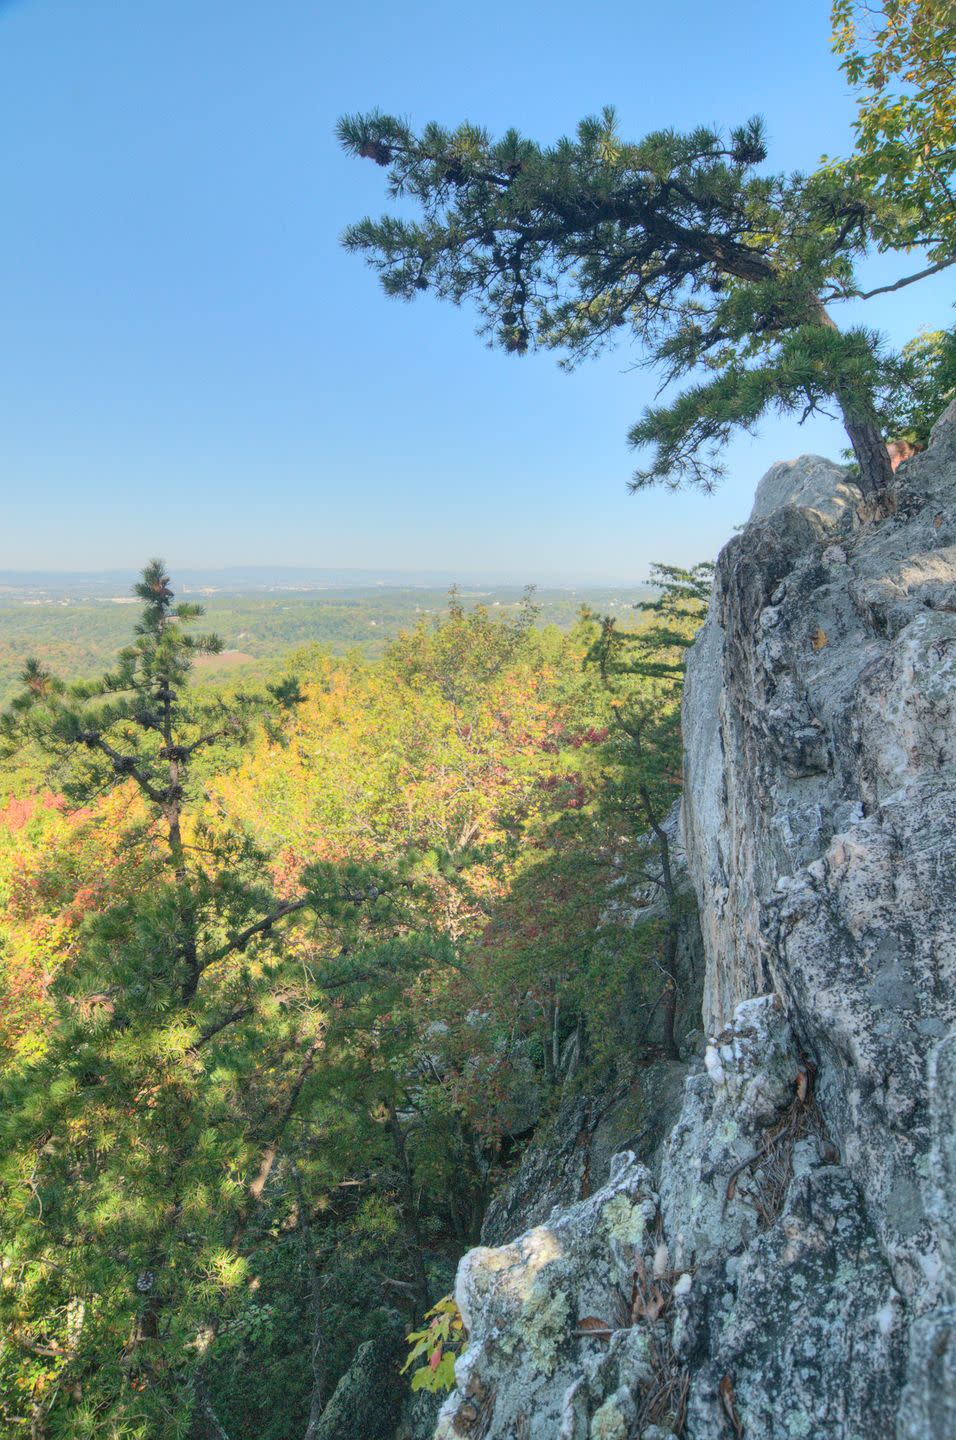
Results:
x,y
215,1029
123,765
899,284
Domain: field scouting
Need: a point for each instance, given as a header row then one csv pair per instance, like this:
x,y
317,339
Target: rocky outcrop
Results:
x,y
784,1265
368,1398
371,1401
742,1286
572,1157
820,814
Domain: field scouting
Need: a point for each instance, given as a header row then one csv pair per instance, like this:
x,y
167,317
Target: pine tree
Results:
x,y
137,1143
643,670
140,723
679,240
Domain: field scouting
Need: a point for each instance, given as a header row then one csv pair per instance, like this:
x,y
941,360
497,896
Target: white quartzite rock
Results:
x,y
523,1303
803,1313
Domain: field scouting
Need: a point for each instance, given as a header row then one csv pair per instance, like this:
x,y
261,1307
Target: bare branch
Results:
x,y
899,284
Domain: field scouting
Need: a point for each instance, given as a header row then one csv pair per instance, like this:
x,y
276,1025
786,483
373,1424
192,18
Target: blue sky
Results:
x,y
192,366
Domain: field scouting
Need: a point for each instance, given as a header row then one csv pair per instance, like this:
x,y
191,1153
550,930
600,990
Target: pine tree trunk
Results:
x,y
410,1208
869,447
863,427
671,1047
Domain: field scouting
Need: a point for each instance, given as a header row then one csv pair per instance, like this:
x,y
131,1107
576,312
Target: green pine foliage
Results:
x,y
721,272
643,672
137,1138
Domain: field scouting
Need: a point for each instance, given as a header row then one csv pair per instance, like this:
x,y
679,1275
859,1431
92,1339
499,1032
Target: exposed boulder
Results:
x,y
810,483
546,1353
369,1397
572,1156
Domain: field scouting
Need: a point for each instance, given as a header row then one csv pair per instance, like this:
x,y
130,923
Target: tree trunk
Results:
x,y
671,1047
409,1208
672,930
859,416
317,1347
863,427
869,447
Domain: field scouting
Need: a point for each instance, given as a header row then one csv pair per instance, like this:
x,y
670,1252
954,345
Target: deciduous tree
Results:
x,y
900,58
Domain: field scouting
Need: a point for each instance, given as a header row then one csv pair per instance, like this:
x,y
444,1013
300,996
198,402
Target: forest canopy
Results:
x,y
290,976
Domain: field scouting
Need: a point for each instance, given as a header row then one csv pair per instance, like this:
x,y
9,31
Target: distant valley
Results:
x,y
76,623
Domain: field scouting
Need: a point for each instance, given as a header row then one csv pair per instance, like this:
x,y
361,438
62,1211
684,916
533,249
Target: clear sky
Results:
x,y
192,366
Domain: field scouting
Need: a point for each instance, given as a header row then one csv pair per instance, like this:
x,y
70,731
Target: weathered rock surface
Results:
x,y
373,1402
787,1266
820,816
792,1299
768,1273
368,1399
531,1308
573,1156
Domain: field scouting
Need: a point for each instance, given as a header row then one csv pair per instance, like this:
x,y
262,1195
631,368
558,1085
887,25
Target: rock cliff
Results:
x,y
785,1263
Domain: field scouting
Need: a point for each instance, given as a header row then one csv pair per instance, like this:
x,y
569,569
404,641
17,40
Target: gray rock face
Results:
x,y
546,1350
368,1399
793,1315
788,1266
573,1157
750,1264
820,813
810,483
820,823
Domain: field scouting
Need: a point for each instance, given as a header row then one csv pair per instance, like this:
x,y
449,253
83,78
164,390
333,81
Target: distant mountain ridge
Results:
x,y
245,578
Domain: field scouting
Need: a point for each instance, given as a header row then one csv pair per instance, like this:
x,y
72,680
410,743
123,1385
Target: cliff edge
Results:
x,y
788,1268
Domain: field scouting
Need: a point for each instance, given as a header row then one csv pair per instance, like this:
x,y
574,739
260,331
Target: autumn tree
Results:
x,y
465,652
931,358
273,1021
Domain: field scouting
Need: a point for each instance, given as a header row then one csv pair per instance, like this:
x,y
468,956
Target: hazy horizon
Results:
x,y
295,577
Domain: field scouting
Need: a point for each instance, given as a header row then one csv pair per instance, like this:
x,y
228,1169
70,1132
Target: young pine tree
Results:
x,y
139,1135
643,671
